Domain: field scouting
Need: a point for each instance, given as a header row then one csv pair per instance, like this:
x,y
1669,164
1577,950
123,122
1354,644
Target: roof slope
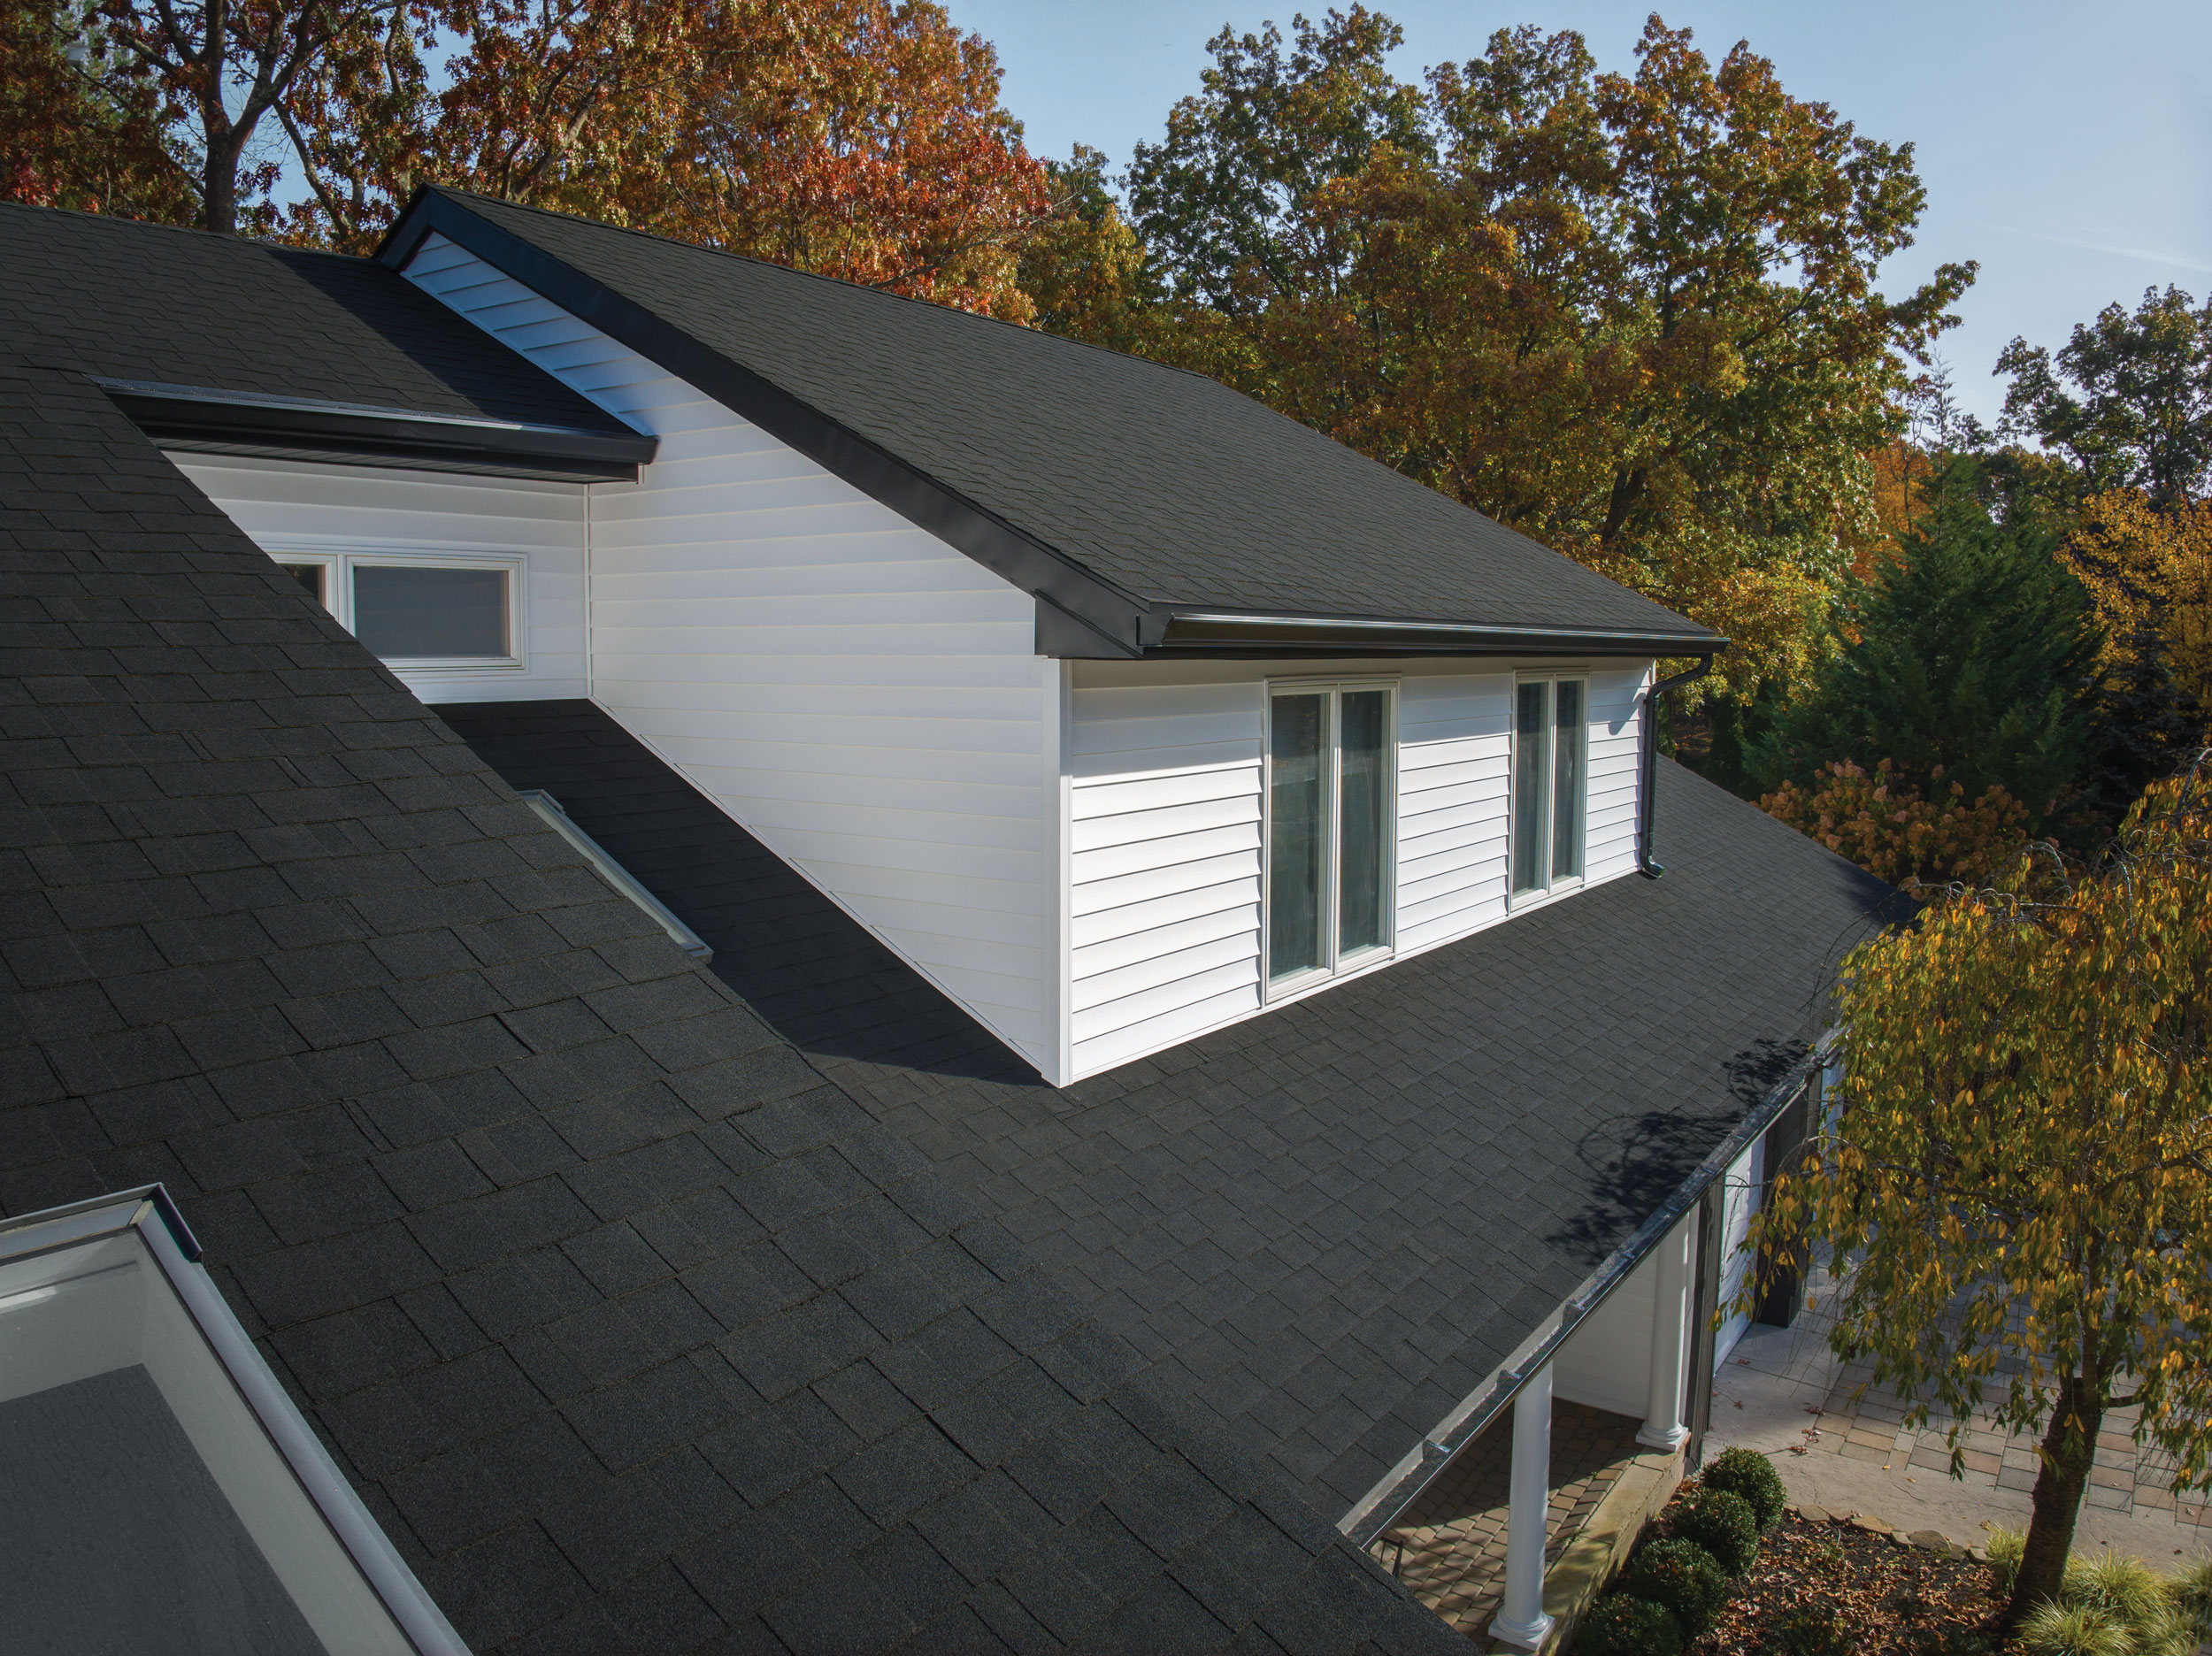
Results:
x,y
633,1333
1329,1223
1172,487
140,302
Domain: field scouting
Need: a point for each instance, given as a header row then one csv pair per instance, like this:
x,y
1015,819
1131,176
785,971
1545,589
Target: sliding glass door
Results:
x,y
1331,765
1551,756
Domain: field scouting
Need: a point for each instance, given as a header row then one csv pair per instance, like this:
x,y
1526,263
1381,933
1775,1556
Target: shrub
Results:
x,y
1722,1524
1883,823
2059,1630
2192,1590
2005,1548
2125,1589
1623,1626
1813,1629
1682,1575
1749,1474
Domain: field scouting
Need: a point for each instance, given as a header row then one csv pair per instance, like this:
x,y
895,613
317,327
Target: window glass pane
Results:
x,y
1363,816
408,612
1295,824
309,576
1532,778
1569,747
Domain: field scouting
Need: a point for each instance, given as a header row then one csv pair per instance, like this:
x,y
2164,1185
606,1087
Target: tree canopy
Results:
x,y
1965,656
2127,399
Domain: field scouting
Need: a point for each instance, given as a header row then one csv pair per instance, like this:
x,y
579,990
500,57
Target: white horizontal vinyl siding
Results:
x,y
861,697
298,506
1166,828
1165,886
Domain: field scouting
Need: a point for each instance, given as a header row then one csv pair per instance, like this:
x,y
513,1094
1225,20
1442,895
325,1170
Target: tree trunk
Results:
x,y
218,184
2070,1446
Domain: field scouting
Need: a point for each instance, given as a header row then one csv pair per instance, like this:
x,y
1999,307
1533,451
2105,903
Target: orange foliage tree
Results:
x,y
81,125
1889,828
861,139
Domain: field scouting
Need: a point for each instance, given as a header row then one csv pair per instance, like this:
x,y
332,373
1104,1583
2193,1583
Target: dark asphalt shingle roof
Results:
x,y
140,302
1174,488
633,1328
1328,1225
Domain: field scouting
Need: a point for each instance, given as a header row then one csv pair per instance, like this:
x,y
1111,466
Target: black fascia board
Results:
x,y
1107,618
1218,635
205,419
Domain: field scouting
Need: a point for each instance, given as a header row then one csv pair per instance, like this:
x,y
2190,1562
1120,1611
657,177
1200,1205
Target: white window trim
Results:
x,y
1337,969
1554,886
338,567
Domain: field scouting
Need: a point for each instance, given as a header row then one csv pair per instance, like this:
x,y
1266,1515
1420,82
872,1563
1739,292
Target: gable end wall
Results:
x,y
861,697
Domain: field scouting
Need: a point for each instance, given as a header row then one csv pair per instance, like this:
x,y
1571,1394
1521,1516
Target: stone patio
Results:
x,y
1840,1442
1448,1547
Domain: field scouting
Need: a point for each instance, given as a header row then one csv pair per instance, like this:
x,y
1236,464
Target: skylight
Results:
x,y
615,874
162,1492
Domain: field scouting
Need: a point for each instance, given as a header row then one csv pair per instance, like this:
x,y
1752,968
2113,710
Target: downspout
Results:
x,y
1648,801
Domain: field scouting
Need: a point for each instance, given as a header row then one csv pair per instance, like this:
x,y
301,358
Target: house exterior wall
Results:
x,y
1165,824
1606,1362
864,699
299,507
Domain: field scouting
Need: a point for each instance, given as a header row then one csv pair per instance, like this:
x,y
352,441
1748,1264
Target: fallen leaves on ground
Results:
x,y
1890,1600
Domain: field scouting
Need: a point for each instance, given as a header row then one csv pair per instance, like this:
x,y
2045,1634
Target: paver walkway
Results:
x,y
1841,1443
1454,1534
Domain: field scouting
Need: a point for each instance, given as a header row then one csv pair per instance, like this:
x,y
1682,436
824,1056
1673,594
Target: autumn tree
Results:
x,y
2127,399
861,139
218,71
82,127
2149,574
1083,268
2021,1174
1633,316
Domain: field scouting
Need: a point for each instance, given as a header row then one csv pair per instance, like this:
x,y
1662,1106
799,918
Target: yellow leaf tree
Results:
x,y
2020,1178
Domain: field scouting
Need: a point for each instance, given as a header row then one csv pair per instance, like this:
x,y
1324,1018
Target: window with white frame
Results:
x,y
1332,830
1551,761
421,611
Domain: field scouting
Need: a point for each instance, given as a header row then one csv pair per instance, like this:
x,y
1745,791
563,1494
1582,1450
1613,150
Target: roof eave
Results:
x,y
1218,634
210,420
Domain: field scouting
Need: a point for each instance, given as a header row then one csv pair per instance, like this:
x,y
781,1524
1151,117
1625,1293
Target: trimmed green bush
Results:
x,y
1749,1474
1623,1626
1682,1575
1722,1524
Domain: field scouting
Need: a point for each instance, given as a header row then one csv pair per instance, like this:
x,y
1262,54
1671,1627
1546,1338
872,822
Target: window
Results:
x,y
162,1492
1551,751
421,612
1332,772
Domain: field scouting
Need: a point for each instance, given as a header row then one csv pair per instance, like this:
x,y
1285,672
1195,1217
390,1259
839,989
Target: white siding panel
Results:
x,y
297,506
861,696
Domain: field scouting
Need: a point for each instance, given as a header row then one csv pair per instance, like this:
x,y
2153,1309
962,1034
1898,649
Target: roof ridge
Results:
x,y
465,196
217,237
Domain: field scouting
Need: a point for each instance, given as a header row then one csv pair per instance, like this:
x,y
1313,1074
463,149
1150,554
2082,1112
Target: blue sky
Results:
x,y
2068,147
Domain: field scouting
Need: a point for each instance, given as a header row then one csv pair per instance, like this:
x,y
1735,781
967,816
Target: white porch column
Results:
x,y
1663,1427
1521,1620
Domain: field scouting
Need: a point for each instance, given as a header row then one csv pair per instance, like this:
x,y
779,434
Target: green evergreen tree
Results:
x,y
1971,650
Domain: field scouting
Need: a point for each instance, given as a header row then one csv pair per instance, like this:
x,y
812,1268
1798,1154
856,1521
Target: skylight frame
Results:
x,y
148,1213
